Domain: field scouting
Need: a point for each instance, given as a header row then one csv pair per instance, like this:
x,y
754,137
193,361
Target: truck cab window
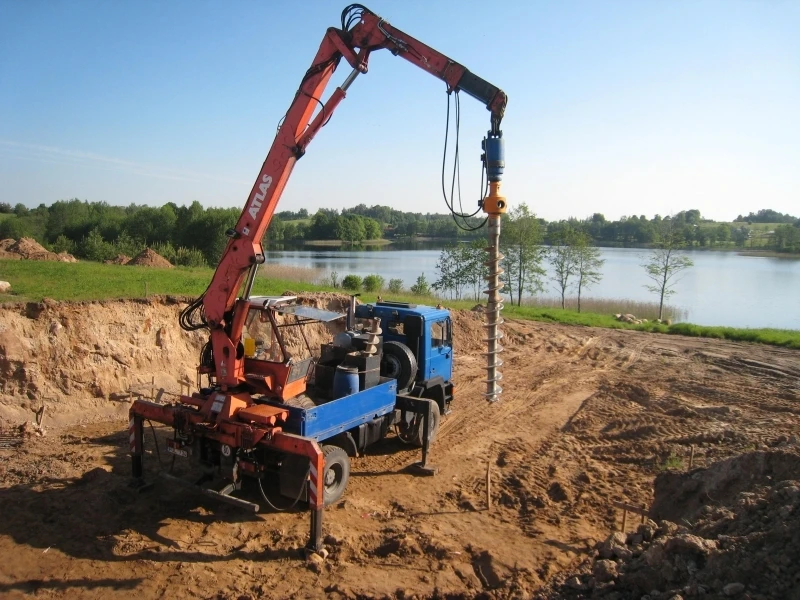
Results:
x,y
440,334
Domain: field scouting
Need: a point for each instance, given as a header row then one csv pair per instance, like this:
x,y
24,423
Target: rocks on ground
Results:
x,y
737,537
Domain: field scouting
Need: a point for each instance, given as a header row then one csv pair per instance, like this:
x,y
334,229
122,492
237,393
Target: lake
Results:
x,y
722,288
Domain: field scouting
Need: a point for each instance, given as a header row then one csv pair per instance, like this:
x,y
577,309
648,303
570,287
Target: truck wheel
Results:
x,y
336,475
411,432
398,363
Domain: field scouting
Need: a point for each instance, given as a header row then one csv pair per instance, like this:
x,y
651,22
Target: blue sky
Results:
x,y
619,107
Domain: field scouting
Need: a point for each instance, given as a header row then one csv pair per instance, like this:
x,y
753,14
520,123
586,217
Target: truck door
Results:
x,y
441,350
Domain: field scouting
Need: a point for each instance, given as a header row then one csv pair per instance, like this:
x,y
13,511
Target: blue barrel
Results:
x,y
345,381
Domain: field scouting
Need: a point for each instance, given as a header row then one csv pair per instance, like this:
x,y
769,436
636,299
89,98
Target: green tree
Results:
x,y
563,256
723,232
421,287
451,272
94,247
373,229
666,263
63,244
395,286
521,243
588,264
14,228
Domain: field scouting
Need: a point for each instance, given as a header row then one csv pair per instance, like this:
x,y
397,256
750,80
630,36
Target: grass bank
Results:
x,y
34,280
787,338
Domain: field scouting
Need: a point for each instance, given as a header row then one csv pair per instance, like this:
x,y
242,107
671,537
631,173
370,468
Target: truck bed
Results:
x,y
334,417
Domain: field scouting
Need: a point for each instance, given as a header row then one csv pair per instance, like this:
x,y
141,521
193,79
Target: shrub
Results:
x,y
421,287
189,257
352,283
395,286
94,247
167,250
63,244
334,279
373,283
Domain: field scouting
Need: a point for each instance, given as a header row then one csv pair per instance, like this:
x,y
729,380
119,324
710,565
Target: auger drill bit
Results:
x,y
494,205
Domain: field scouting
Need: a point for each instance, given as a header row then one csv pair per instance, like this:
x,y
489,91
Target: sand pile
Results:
x,y
150,258
30,249
732,532
81,358
119,259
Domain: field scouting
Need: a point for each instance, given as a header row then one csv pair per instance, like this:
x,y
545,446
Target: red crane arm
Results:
x,y
244,251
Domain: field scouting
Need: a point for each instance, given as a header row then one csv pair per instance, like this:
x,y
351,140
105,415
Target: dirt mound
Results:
x,y
150,258
119,259
30,249
737,537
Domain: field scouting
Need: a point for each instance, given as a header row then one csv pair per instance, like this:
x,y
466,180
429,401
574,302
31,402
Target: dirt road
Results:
x,y
587,416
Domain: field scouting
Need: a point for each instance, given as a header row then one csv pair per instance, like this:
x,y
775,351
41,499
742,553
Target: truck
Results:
x,y
270,409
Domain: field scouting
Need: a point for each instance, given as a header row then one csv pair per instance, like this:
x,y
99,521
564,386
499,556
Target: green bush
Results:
x,y
395,286
189,257
421,287
63,244
94,247
373,283
352,283
125,244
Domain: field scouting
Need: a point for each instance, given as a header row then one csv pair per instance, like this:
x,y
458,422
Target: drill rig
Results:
x,y
265,411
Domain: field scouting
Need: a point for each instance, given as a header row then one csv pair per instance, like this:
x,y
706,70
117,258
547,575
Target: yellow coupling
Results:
x,y
494,203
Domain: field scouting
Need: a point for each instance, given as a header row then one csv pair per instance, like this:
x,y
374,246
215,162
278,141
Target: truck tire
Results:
x,y
398,363
336,475
411,431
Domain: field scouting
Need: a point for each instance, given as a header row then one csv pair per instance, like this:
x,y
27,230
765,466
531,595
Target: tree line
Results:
x,y
194,235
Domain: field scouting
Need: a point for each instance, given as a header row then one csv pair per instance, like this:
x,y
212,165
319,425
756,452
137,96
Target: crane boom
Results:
x,y
362,32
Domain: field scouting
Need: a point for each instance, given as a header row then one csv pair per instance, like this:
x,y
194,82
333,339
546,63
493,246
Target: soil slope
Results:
x,y
587,416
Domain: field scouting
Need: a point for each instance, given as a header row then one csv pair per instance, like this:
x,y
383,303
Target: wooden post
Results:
x,y
624,519
489,483
691,457
644,513
153,387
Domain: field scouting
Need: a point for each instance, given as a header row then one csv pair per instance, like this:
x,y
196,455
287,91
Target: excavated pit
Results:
x,y
587,417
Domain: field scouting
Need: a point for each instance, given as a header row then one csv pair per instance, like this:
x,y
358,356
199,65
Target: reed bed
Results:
x,y
611,306
293,273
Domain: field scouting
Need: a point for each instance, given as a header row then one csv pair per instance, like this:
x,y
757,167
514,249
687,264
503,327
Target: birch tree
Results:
x,y
666,263
521,243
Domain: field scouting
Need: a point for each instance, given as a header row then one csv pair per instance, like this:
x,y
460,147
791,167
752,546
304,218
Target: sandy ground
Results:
x,y
587,416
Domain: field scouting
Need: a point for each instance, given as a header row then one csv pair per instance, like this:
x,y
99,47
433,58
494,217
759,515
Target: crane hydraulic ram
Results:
x,y
234,411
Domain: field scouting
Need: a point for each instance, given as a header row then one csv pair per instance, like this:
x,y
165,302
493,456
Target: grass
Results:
x,y
34,280
672,463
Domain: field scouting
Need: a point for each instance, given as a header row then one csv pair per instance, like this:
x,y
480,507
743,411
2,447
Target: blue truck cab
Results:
x,y
427,333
